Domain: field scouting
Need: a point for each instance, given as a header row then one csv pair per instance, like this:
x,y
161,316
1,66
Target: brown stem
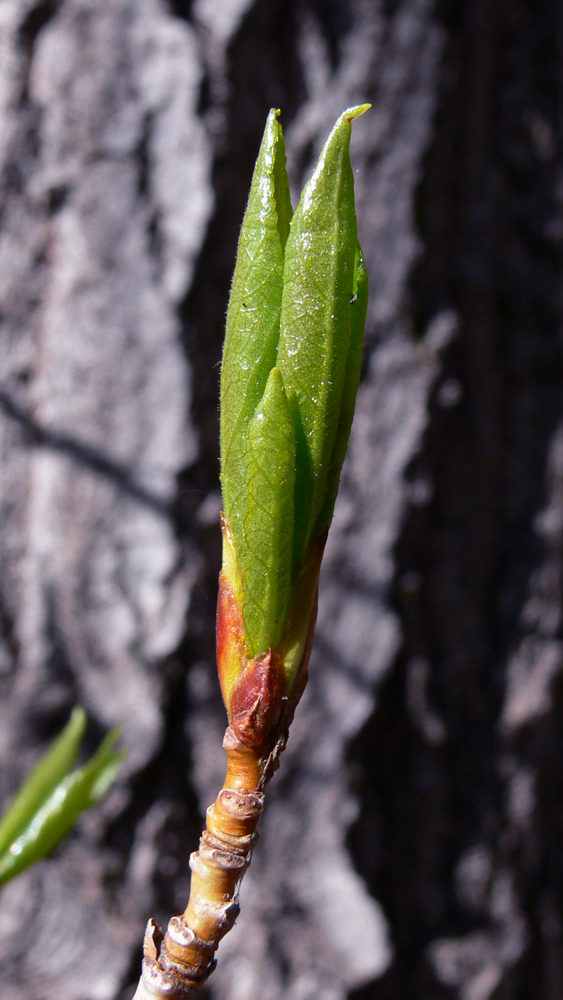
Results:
x,y
175,966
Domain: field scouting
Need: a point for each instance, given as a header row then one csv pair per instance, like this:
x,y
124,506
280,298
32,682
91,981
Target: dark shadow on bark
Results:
x,y
486,212
83,454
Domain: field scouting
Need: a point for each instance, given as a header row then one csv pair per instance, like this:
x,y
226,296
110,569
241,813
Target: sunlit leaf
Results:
x,y
46,775
253,317
54,814
269,518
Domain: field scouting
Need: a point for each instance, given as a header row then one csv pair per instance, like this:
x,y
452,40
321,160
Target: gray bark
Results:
x,y
410,840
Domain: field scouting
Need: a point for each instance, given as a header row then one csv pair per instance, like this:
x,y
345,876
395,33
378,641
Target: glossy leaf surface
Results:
x,y
315,330
253,315
55,813
291,371
47,774
268,527
358,310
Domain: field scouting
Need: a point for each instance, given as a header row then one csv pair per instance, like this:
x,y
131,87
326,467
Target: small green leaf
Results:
x,y
47,774
268,528
358,310
253,316
315,333
58,812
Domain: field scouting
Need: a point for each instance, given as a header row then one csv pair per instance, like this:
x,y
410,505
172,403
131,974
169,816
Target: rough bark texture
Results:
x,y
411,843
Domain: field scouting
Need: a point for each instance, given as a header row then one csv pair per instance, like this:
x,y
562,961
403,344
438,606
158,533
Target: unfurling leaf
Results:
x,y
253,317
313,352
358,310
268,525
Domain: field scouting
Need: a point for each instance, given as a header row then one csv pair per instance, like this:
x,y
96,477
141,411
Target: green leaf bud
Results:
x,y
291,369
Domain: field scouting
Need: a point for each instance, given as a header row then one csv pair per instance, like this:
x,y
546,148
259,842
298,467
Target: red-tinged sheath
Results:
x,y
259,691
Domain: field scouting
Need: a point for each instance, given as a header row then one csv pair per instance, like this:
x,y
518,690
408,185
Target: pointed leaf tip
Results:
x,y
359,109
43,779
61,801
253,315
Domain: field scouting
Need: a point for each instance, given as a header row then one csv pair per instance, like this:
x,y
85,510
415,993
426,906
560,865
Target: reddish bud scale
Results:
x,y
253,690
230,639
257,699
176,964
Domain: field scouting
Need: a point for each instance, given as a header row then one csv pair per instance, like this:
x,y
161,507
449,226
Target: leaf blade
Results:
x,y
58,813
315,324
252,330
44,777
269,518
358,311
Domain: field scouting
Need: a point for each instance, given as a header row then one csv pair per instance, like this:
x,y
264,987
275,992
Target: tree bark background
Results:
x,y
411,844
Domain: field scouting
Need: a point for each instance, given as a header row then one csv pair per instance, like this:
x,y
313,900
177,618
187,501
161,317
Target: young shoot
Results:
x,y
290,375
